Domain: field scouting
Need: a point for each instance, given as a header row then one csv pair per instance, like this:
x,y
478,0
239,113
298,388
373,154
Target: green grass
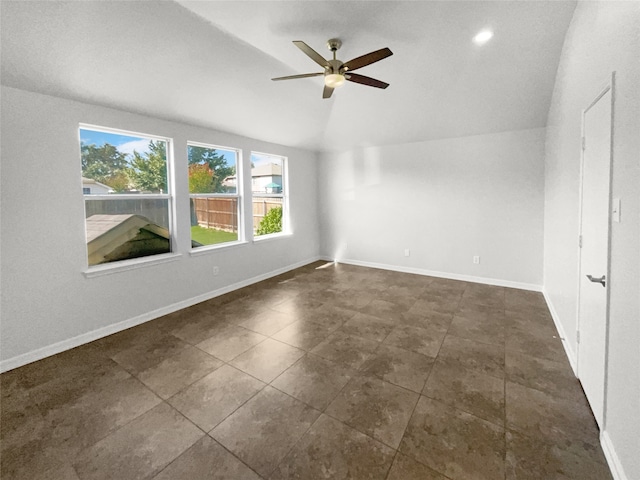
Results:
x,y
210,236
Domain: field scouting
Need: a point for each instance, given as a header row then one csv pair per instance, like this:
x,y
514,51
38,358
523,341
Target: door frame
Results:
x,y
606,86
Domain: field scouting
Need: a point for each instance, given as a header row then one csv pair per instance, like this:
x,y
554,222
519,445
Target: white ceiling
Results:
x,y
210,62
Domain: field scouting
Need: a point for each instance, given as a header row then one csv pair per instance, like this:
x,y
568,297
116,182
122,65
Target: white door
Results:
x,y
594,254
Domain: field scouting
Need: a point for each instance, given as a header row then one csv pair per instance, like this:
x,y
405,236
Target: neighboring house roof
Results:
x,y
229,181
268,170
90,181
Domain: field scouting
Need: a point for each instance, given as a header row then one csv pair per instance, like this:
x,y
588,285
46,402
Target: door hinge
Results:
x,y
580,241
578,336
584,143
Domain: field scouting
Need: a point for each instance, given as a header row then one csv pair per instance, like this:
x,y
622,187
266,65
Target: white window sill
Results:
x,y
123,266
271,236
215,248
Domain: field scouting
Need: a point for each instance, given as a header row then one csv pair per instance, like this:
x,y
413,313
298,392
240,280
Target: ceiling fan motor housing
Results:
x,y
335,66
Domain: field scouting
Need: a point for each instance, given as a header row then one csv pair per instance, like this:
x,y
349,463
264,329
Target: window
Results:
x,y
214,194
126,188
268,187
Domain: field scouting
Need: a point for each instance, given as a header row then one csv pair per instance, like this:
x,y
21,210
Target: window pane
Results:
x,y
121,229
212,170
267,215
116,164
213,219
267,186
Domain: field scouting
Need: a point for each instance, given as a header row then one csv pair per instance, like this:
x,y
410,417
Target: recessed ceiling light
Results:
x,y
482,37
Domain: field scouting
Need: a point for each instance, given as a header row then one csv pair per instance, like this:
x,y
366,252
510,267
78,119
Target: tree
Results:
x,y
271,222
119,182
148,171
201,178
216,162
102,163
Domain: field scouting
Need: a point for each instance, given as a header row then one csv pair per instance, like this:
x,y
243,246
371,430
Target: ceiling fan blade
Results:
x,y
371,82
367,59
311,53
303,75
327,92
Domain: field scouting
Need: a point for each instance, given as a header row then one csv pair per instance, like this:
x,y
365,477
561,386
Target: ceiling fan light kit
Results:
x,y
335,70
334,80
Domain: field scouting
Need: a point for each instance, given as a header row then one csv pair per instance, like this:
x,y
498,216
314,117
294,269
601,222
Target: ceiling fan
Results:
x,y
336,72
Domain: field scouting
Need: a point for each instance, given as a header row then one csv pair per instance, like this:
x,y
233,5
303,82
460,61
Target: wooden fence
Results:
x,y
155,209
222,213
261,205
218,213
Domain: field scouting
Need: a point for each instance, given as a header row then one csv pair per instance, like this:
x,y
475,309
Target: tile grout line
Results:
x,y
357,374
299,438
77,455
205,434
418,400
443,403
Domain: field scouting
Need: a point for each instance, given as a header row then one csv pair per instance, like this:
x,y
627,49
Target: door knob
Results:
x,y
601,280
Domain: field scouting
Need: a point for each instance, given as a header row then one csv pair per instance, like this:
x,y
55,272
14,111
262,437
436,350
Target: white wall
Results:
x,y
603,37
444,200
44,292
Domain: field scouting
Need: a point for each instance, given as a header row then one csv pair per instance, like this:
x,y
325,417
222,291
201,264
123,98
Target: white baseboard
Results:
x,y
573,359
431,273
617,472
40,353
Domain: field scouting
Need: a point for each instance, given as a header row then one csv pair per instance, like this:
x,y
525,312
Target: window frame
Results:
x,y
285,200
238,196
127,264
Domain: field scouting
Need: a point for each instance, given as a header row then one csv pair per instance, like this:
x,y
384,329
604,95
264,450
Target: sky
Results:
x,y
124,143
127,144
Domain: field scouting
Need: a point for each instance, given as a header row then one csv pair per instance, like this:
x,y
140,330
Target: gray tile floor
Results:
x,y
334,372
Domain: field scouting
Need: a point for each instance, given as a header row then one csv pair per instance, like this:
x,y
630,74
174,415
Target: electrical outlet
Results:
x,y
476,259
407,252
216,270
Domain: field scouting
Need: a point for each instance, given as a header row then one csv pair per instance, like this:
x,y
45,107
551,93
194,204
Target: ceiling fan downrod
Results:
x,y
335,66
